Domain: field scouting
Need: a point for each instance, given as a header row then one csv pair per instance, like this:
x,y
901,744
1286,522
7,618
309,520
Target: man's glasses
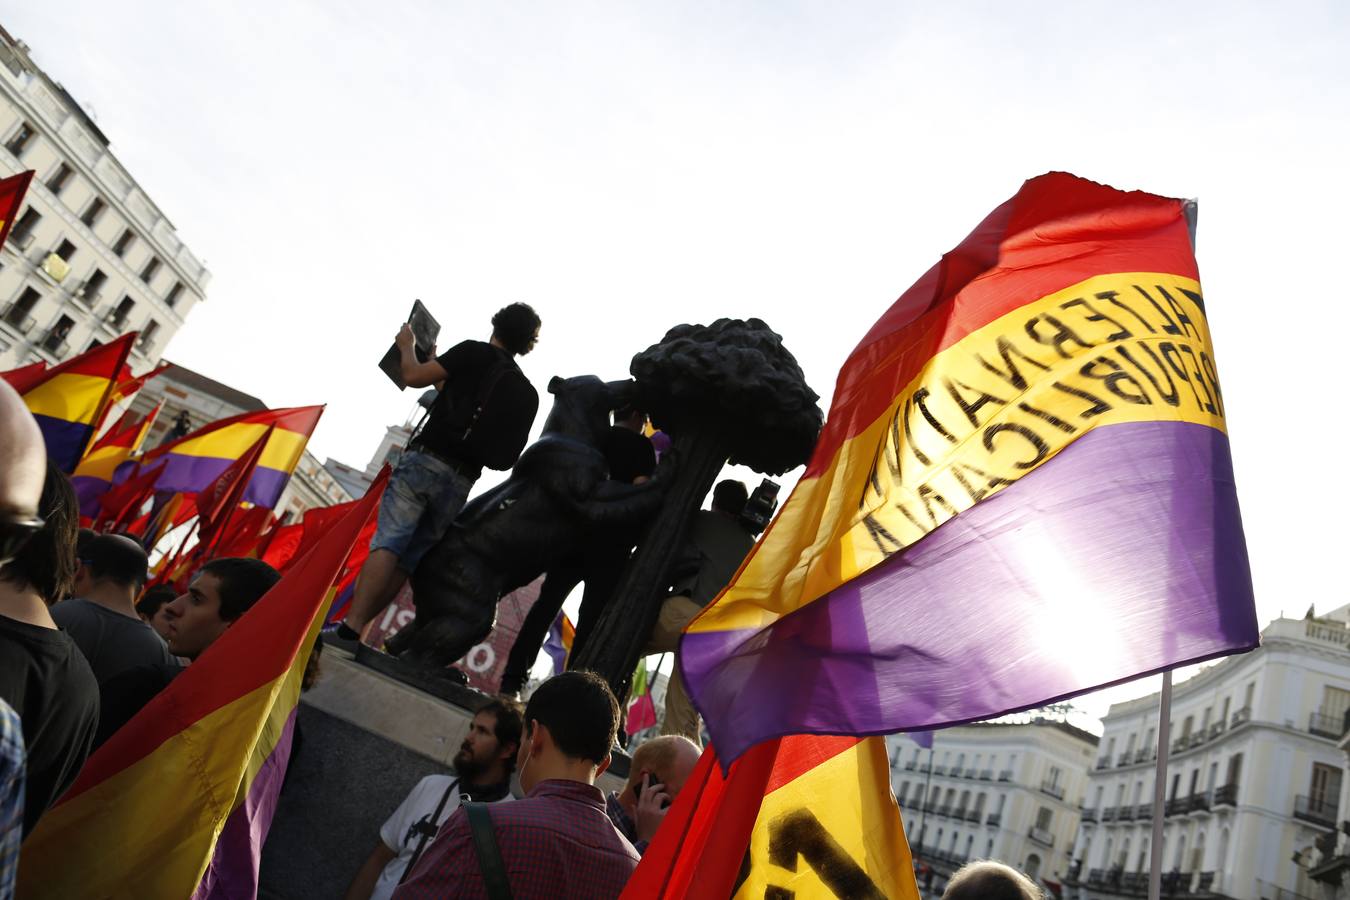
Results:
x,y
15,531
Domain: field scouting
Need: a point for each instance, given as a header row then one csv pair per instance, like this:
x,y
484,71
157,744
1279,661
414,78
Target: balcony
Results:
x,y
972,773
1175,807
1323,725
1125,814
1125,759
1217,729
18,317
1110,814
1144,811
1041,836
1318,810
1225,795
959,812
944,810
1199,738
940,770
974,816
1242,715
910,766
1145,754
1181,743
1088,815
1053,789
994,819
56,345
1198,802
1005,775
1103,763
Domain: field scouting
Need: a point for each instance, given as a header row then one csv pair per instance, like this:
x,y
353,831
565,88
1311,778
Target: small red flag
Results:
x,y
122,501
12,191
216,502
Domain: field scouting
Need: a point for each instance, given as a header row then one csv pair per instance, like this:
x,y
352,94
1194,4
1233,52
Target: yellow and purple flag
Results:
x,y
94,475
798,816
196,460
1023,492
178,802
68,399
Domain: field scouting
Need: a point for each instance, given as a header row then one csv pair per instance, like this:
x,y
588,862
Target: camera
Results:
x,y
760,507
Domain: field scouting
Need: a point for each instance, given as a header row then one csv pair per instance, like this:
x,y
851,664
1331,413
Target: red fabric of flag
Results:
x,y
283,545
12,191
122,501
24,378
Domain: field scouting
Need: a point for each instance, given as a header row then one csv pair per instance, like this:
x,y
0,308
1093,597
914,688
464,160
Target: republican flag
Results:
x,y
192,462
179,801
799,816
68,399
1023,492
558,643
217,501
128,384
12,191
94,475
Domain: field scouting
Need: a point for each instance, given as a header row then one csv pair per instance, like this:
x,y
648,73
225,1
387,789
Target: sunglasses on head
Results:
x,y
15,531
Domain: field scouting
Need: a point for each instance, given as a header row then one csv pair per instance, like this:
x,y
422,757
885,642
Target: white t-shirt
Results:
x,y
399,833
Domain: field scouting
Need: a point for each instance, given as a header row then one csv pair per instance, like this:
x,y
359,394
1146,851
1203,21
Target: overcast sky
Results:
x,y
626,167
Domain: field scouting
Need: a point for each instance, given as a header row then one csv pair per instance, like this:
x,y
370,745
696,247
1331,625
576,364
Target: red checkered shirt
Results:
x,y
556,843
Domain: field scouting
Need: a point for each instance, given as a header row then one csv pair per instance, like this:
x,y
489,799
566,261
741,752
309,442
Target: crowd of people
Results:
x,y
84,647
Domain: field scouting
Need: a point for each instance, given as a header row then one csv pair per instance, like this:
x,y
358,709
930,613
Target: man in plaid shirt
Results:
x,y
558,842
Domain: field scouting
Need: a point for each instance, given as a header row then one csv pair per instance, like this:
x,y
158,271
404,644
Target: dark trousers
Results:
x,y
600,568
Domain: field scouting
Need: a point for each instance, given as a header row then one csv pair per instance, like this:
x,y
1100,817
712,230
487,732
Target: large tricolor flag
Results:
x,y
1023,492
194,461
178,802
801,816
68,399
94,475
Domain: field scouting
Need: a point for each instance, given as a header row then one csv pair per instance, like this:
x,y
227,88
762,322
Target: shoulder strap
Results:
x,y
489,855
500,369
427,835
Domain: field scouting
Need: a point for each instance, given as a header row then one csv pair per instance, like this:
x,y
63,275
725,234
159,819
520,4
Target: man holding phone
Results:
x,y
658,771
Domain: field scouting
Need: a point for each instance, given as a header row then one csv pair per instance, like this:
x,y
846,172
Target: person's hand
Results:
x,y
652,805
405,337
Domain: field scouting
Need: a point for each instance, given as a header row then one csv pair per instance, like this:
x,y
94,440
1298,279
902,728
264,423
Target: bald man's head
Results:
x,y
669,759
988,880
23,456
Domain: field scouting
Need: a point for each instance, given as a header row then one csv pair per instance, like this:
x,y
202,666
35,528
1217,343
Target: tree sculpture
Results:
x,y
728,391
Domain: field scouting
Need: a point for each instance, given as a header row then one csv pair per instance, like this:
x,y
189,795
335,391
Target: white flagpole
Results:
x,y
1159,788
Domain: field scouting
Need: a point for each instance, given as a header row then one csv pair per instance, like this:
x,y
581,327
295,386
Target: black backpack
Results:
x,y
500,418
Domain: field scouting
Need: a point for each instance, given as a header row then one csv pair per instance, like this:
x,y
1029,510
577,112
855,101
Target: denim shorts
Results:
x,y
421,500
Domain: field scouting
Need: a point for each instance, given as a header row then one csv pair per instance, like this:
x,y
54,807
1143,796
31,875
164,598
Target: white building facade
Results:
x,y
1005,791
89,256
1253,774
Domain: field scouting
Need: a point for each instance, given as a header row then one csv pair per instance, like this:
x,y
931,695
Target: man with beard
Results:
x,y
483,770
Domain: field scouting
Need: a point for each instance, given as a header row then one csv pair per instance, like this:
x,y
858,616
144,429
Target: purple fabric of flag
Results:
x,y
1121,557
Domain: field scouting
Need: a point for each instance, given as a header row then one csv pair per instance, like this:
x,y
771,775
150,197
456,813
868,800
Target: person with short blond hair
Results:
x,y
986,879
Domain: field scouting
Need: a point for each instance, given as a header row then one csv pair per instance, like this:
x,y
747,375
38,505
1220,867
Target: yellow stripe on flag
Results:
x,y
69,396
833,831
283,450
997,404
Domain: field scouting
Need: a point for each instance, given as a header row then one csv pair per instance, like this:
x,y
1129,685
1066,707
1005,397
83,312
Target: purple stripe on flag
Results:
x,y
190,474
233,870
65,440
1121,557
89,490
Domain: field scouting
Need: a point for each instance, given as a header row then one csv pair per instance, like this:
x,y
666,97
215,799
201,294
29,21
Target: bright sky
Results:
x,y
629,166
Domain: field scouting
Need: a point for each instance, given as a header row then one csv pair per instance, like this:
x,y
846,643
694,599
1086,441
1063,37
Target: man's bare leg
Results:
x,y
377,585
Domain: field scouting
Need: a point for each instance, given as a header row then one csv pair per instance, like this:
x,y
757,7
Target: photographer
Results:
x,y
481,417
717,545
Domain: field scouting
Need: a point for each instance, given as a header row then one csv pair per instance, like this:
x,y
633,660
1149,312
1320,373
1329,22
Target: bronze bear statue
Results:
x,y
557,497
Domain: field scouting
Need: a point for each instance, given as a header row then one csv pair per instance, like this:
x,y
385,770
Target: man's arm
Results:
x,y
364,882
416,374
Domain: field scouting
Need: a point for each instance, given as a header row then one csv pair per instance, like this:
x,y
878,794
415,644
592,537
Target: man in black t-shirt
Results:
x,y
433,477
43,675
